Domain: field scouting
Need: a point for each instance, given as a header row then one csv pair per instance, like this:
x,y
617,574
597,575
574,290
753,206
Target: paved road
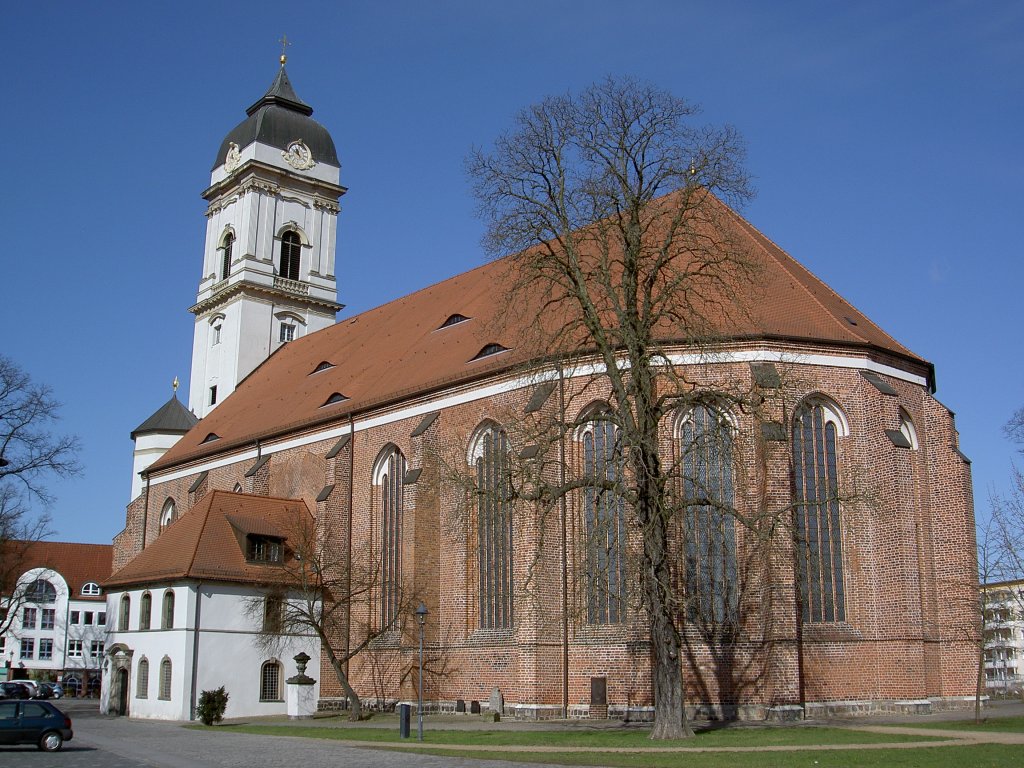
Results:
x,y
102,742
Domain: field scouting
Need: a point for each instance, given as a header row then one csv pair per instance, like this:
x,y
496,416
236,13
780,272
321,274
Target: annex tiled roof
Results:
x,y
78,564
403,348
208,541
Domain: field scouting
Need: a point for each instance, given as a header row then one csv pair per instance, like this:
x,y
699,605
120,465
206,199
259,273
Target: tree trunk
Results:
x,y
355,705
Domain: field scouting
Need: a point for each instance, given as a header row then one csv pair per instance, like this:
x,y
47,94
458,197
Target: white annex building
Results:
x,y
189,613
1003,603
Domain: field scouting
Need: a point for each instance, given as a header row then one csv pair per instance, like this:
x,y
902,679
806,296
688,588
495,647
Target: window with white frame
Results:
x,y
45,649
91,589
270,681
41,591
146,611
165,679
47,618
291,250
74,649
287,332
101,619
142,679
28,618
76,617
167,620
96,650
817,426
88,618
123,617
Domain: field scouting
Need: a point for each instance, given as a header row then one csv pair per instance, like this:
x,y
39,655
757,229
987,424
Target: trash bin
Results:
x,y
404,715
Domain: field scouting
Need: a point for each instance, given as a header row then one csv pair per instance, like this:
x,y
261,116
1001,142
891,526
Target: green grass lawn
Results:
x,y
725,737
1011,724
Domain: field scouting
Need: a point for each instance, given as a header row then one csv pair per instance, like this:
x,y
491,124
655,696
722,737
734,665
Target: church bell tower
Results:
x,y
268,268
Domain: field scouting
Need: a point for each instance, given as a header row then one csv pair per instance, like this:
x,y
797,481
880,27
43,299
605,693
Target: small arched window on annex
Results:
x,y
604,516
705,436
146,611
290,256
226,248
818,425
167,612
270,681
489,457
124,615
168,513
389,495
165,679
142,679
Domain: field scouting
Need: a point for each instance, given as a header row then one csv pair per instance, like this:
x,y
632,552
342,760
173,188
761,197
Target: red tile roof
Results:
x,y
79,564
400,349
207,542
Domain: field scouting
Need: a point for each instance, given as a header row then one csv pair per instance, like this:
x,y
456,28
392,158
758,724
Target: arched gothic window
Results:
x,y
146,611
167,615
291,248
604,513
819,541
709,536
123,617
142,679
225,265
907,429
165,679
168,514
270,681
494,528
389,476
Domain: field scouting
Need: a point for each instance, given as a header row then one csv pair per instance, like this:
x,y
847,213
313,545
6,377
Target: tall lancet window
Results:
x,y
819,540
389,477
494,528
604,514
225,264
709,537
290,250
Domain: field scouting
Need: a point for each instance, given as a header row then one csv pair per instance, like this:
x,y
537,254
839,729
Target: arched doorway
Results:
x,y
121,706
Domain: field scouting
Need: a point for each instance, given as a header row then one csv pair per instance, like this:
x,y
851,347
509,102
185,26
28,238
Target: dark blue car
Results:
x,y
34,722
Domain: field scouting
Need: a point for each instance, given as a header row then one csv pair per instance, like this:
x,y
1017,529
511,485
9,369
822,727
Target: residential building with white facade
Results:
x,y
53,617
1004,636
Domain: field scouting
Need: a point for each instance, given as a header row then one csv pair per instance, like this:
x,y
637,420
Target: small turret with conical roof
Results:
x,y
155,436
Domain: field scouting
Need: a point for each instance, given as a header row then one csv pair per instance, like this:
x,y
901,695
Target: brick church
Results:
x,y
395,432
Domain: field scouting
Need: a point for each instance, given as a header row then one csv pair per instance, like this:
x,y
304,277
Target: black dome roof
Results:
x,y
278,119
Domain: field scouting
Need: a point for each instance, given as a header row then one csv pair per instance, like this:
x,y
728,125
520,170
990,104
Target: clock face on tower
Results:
x,y
298,156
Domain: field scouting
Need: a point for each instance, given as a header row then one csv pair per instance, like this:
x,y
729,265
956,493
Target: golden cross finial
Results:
x,y
284,45
174,385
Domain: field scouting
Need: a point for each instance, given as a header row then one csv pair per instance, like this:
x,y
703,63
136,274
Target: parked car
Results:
x,y
14,690
34,722
33,688
49,691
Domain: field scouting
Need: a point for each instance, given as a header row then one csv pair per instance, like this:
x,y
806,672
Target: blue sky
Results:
x,y
885,141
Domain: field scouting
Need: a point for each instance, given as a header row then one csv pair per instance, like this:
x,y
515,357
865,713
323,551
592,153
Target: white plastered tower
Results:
x,y
268,267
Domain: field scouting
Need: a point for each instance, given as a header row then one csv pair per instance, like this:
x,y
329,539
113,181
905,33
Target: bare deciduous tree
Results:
x,y
609,204
31,454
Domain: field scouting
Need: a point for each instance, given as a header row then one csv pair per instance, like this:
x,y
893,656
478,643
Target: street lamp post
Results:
x,y
421,617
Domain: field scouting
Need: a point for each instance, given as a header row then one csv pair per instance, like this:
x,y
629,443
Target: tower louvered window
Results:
x,y
291,248
818,525
225,266
709,538
494,530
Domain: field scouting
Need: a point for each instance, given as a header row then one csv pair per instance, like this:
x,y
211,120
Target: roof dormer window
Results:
x,y
453,320
91,589
491,349
264,549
